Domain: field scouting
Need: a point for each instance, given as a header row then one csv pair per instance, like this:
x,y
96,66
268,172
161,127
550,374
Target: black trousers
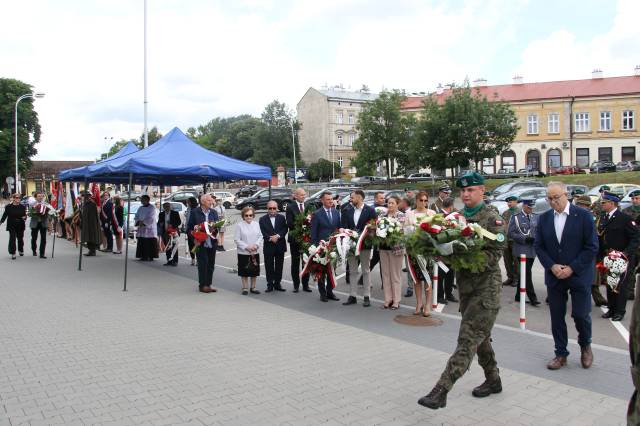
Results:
x,y
191,243
206,264
16,234
324,286
531,292
617,302
108,235
445,283
273,267
296,260
168,252
42,230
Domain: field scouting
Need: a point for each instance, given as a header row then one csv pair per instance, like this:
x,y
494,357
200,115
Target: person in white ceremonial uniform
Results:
x,y
147,235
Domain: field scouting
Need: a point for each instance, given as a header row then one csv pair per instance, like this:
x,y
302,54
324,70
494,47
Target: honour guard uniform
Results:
x,y
510,263
634,211
522,231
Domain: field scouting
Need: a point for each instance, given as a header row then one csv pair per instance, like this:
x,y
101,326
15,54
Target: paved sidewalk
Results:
x,y
75,349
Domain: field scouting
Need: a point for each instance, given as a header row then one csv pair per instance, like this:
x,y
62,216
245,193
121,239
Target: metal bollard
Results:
x,y
523,290
434,287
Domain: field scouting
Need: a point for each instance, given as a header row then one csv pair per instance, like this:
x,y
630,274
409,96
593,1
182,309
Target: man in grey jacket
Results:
x,y
522,231
39,224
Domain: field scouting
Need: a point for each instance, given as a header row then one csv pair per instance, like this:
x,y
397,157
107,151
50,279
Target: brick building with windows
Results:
x,y
563,123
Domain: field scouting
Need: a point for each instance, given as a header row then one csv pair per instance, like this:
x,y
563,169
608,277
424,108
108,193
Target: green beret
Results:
x,y
604,188
511,198
470,179
634,193
577,191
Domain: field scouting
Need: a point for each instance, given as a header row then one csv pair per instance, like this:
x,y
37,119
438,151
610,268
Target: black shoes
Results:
x,y
324,299
452,298
332,297
21,253
617,317
442,301
350,301
608,315
409,292
278,287
535,303
269,289
91,253
34,253
220,248
437,398
42,256
244,292
487,388
254,291
13,257
366,302
306,289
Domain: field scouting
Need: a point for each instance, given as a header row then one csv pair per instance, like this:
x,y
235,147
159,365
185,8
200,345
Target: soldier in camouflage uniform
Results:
x,y
596,208
513,271
634,211
443,194
633,411
479,302
491,207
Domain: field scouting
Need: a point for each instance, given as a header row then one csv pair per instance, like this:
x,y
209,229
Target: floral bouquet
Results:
x,y
204,230
389,233
320,260
345,242
450,239
301,232
42,210
614,267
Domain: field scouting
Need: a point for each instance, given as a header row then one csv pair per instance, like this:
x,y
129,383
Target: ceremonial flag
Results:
x,y
95,194
75,193
68,207
60,197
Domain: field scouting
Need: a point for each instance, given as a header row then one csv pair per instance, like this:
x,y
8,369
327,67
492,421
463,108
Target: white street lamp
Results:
x,y
293,145
15,118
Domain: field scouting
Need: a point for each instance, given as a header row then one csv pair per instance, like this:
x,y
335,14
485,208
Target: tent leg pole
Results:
x,y
55,232
126,239
269,189
86,184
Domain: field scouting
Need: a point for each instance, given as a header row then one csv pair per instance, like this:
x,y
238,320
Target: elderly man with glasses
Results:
x,y
274,230
566,245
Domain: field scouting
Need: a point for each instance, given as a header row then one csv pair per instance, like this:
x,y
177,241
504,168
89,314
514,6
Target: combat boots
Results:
x,y
487,388
437,398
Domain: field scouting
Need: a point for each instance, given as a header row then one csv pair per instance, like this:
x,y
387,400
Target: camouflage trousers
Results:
x,y
479,311
633,411
511,264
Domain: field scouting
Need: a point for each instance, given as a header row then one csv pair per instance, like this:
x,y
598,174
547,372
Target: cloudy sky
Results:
x,y
210,58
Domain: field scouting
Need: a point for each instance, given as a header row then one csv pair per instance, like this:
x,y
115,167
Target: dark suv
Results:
x,y
259,200
602,167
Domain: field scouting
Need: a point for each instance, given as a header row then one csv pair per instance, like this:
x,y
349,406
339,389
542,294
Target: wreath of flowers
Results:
x,y
202,231
614,268
301,232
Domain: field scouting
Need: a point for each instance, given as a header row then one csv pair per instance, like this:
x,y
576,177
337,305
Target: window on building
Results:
x,y
340,161
351,118
605,121
488,165
627,120
340,140
509,161
628,153
582,122
605,154
582,158
533,159
339,118
553,123
352,138
554,159
532,124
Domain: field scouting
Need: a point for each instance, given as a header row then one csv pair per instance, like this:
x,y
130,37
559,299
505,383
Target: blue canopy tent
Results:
x,y
173,160
79,173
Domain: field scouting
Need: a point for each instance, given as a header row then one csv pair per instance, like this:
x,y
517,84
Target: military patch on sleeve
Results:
x,y
499,222
499,237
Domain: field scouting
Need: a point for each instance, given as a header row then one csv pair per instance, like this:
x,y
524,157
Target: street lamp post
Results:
x,y
293,145
15,118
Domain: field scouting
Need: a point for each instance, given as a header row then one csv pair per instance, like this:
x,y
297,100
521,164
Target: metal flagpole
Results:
x,y
126,249
55,232
146,129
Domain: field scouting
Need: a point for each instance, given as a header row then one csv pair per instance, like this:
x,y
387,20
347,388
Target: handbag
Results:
x,y
253,267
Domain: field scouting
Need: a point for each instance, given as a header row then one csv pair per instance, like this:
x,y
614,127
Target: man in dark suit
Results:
x,y
380,207
356,217
39,224
617,231
106,219
324,222
169,219
293,210
274,229
566,245
206,254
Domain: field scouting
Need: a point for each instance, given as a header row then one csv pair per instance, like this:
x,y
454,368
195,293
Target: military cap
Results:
x,y
444,188
470,179
634,193
604,188
610,197
577,191
584,200
511,198
527,201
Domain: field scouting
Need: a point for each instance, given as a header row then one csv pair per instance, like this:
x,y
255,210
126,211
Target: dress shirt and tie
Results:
x,y
559,220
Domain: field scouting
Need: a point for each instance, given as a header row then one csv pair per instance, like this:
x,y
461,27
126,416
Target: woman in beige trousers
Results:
x,y
391,259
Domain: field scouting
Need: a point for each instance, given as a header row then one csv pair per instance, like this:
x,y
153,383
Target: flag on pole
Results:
x,y
60,197
75,194
68,203
95,194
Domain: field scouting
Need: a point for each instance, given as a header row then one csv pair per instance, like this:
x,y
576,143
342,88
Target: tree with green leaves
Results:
x,y
28,127
383,133
154,136
463,129
321,170
272,144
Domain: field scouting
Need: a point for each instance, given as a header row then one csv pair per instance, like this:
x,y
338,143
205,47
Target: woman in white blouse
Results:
x,y
248,240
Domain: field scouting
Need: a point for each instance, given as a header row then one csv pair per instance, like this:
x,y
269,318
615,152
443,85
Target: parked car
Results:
x,y
505,174
583,188
619,189
524,192
247,191
602,167
530,172
628,166
182,196
135,205
419,176
135,195
228,199
182,212
314,199
569,170
516,184
259,200
363,179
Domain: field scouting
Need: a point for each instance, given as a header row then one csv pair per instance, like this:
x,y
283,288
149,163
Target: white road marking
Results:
x,y
618,326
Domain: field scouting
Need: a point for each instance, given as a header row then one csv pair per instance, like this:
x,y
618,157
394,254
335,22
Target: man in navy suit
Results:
x,y
294,209
325,222
356,217
274,230
206,254
566,244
